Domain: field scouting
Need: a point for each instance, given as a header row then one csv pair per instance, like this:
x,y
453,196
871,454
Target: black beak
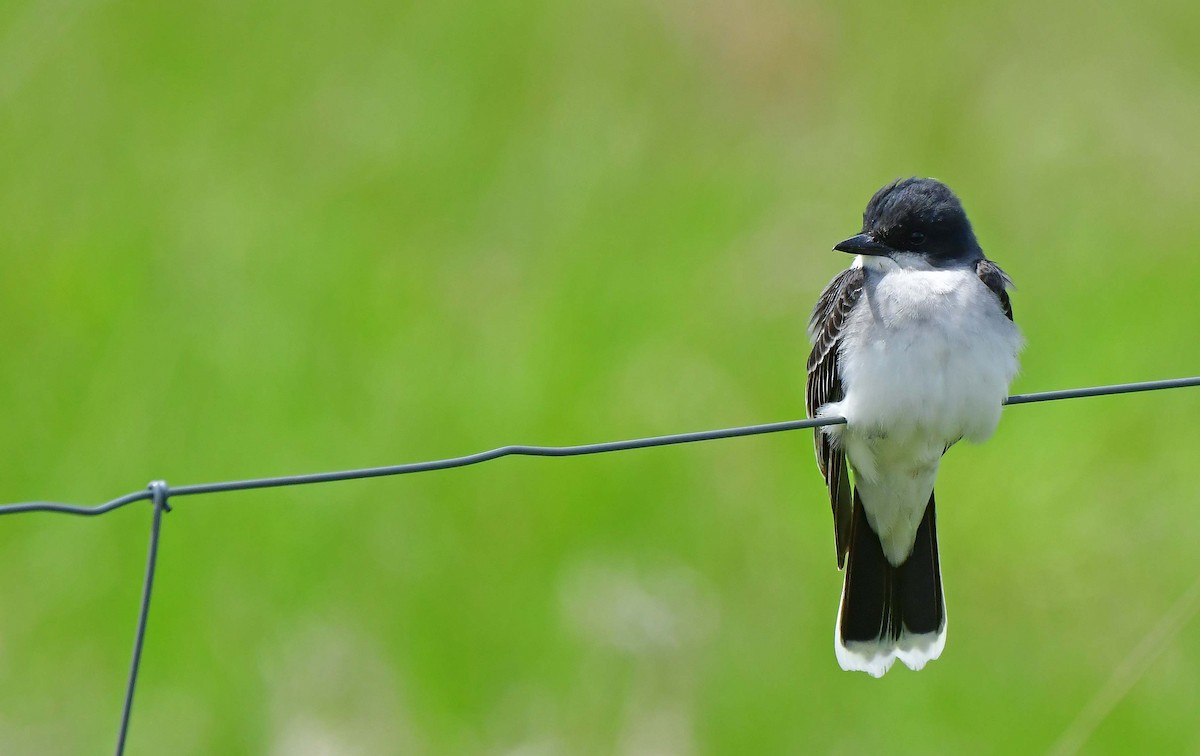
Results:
x,y
863,244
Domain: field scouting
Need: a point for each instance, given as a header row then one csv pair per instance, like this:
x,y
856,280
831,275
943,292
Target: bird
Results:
x,y
915,346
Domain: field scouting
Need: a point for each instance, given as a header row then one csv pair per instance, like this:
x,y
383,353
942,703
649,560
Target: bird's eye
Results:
x,y
916,238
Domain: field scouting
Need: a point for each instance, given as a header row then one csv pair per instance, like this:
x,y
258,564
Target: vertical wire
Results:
x,y
159,491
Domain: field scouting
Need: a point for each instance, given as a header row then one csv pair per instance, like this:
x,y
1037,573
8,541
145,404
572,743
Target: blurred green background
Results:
x,y
245,239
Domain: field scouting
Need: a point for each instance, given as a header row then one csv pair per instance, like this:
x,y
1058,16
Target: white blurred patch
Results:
x,y
330,692
638,613
665,730
546,746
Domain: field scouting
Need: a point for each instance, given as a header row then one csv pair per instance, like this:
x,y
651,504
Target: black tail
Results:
x,y
887,611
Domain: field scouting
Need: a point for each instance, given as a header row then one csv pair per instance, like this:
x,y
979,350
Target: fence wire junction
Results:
x,y
159,493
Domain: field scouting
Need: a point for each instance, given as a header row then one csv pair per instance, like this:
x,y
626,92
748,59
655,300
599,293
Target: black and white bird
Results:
x,y
915,346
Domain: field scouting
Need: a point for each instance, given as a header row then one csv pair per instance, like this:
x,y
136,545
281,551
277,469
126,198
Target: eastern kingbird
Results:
x,y
915,346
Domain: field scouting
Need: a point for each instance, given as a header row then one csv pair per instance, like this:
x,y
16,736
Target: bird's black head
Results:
x,y
918,216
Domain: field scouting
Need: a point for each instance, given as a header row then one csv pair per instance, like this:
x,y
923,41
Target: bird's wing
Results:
x,y
824,385
996,280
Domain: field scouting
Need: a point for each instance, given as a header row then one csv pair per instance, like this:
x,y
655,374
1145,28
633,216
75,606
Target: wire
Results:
x,y
159,492
546,451
1117,388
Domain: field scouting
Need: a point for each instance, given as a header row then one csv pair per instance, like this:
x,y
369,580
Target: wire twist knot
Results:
x,y
159,492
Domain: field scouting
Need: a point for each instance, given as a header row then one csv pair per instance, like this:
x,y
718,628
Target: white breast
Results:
x,y
927,353
926,358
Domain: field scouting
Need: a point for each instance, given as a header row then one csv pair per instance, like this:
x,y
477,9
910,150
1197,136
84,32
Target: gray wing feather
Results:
x,y
824,385
996,280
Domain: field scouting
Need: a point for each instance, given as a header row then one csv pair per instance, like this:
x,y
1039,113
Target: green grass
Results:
x,y
266,238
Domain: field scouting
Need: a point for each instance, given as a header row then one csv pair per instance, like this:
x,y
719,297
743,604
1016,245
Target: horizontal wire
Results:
x,y
52,506
1116,388
549,451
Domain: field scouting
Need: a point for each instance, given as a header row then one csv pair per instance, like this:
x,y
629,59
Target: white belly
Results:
x,y
926,358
